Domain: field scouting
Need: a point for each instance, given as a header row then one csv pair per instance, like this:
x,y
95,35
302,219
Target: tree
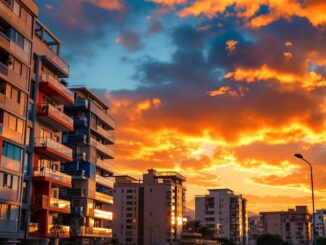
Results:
x,y
225,241
269,239
206,232
193,226
57,229
321,240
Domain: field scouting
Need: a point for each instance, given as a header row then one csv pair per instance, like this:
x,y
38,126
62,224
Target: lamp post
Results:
x,y
297,155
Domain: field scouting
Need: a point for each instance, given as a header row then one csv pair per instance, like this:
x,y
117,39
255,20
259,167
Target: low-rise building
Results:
x,y
320,222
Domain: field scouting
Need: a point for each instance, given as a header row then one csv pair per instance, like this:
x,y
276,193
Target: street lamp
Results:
x,y
297,155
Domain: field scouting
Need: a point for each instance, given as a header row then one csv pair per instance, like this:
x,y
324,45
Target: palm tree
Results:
x,y
57,229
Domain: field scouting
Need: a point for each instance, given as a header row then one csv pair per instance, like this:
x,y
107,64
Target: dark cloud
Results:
x,y
130,40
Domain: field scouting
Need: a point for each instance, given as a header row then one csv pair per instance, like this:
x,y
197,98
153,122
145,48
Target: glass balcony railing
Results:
x,y
59,204
101,214
102,148
103,197
11,104
104,116
58,85
51,110
95,231
54,145
106,181
105,133
104,165
57,60
50,173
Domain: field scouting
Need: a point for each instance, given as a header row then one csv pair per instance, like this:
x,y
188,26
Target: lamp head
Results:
x,y
298,155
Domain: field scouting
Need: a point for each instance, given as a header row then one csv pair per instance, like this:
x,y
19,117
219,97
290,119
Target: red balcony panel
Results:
x,y
53,88
55,118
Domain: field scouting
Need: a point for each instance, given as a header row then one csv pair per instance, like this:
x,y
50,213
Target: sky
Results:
x,y
224,92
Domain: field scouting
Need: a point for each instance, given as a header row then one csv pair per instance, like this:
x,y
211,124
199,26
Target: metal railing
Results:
x,y
48,142
58,85
95,231
103,148
106,181
105,133
55,58
59,203
104,165
50,173
103,197
57,113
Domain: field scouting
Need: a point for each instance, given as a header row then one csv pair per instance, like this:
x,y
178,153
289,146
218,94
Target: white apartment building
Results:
x,y
320,221
224,213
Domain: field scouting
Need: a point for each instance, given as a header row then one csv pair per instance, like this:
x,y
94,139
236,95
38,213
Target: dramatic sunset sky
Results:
x,y
223,91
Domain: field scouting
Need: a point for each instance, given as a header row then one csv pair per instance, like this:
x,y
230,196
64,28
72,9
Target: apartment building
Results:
x,y
255,228
320,222
16,37
224,213
91,195
294,225
149,211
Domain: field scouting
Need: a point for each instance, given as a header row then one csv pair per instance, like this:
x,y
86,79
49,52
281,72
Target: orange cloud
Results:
x,y
231,46
112,5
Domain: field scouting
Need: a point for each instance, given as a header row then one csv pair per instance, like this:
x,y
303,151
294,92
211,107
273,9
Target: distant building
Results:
x,y
320,221
192,238
255,228
149,211
294,225
224,213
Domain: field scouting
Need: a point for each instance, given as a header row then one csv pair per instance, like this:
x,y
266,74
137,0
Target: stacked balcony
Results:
x,y
55,89
105,165
99,196
55,118
95,232
104,149
103,116
105,181
101,214
47,174
105,134
11,105
51,203
53,149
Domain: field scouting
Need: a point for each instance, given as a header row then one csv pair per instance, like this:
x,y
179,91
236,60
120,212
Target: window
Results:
x,y
11,151
5,211
7,180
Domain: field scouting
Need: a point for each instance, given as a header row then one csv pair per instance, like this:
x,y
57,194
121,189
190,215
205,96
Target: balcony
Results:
x,y
11,105
101,214
65,231
104,149
4,41
53,149
55,89
105,165
103,116
55,118
13,134
103,197
56,62
105,181
6,11
47,174
95,232
105,134
34,228
59,205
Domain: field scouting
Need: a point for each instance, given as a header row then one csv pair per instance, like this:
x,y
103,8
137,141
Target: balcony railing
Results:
x,y
54,145
103,197
102,148
59,204
58,85
50,173
3,69
57,60
11,104
104,165
106,181
105,133
34,227
95,231
65,230
59,115
101,214
104,116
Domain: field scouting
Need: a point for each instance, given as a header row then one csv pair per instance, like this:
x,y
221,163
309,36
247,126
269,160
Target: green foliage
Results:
x,y
321,240
269,239
57,228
